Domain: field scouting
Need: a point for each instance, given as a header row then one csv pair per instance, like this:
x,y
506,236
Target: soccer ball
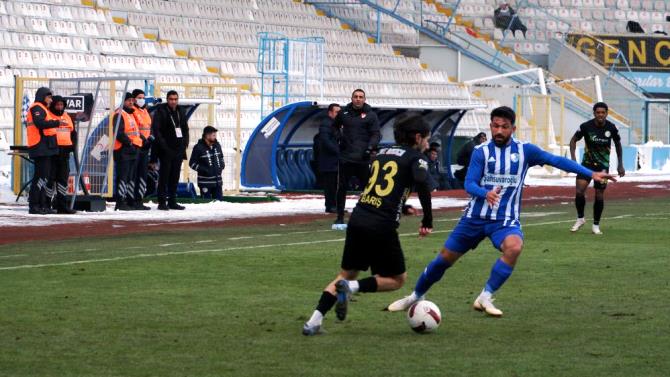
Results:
x,y
424,316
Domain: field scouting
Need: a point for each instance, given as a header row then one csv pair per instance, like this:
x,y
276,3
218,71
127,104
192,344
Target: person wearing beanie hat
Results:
x,y
207,160
41,128
66,138
126,146
141,171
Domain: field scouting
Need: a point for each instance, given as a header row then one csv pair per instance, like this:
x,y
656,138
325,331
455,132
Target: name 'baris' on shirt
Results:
x,y
500,180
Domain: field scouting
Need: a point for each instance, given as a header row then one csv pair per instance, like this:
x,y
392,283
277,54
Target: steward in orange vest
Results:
x,y
41,128
126,147
66,138
143,120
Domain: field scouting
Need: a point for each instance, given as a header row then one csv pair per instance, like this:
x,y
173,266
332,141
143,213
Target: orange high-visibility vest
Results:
x,y
143,120
63,132
130,129
34,132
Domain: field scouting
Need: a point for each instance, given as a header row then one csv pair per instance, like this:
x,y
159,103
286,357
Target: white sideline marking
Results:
x,y
170,244
186,252
14,255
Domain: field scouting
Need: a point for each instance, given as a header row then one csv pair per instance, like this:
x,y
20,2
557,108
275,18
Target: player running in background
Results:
x,y
495,182
372,238
598,134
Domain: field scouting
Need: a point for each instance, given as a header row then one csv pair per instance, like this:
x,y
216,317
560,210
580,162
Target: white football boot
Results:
x,y
404,303
595,229
578,224
484,303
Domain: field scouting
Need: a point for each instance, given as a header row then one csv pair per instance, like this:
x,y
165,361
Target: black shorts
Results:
x,y
378,250
596,185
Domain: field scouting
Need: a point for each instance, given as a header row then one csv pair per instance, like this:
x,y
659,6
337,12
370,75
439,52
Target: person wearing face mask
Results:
x,y
126,147
66,138
207,160
41,128
143,121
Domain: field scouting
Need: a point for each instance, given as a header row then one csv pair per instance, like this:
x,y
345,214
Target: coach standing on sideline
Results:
x,y
360,137
42,146
171,132
329,155
143,121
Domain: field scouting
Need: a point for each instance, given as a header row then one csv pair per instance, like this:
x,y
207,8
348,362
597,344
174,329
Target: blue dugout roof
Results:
x,y
292,128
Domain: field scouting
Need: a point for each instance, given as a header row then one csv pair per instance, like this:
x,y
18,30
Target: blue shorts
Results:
x,y
468,233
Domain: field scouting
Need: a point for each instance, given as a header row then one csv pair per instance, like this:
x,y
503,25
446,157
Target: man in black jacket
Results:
x,y
360,137
207,160
329,155
171,132
464,155
42,146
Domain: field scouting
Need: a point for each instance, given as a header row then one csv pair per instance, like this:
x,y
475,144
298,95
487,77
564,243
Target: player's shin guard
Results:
x,y
499,274
326,302
580,203
598,207
431,275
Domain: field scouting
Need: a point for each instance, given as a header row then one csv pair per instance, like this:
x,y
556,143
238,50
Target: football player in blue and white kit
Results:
x,y
495,181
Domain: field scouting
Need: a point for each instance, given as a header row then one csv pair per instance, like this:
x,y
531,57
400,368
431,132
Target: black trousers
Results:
x,y
329,184
139,182
39,187
211,192
125,171
60,172
168,177
346,172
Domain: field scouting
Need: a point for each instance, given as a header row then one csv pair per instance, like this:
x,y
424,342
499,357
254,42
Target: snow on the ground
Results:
x,y
17,215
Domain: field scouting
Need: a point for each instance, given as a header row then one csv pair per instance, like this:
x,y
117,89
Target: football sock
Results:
x,y
431,275
368,284
326,302
315,319
580,202
353,285
598,207
499,274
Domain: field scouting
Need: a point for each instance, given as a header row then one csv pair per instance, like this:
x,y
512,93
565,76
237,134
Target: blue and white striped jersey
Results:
x,y
492,166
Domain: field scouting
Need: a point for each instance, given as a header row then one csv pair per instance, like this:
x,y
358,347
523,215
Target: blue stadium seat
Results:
x,y
281,168
303,161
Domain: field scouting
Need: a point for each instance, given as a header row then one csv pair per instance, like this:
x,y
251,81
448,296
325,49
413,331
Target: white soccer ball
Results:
x,y
424,316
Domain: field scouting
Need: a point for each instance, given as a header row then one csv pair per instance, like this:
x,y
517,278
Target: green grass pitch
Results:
x,y
231,302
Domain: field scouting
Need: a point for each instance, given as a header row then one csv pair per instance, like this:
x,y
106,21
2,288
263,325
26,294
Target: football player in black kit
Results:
x,y
598,134
372,238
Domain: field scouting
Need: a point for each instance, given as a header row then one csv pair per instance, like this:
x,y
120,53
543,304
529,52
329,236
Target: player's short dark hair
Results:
x,y
332,106
600,105
406,128
505,113
137,92
172,93
358,90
